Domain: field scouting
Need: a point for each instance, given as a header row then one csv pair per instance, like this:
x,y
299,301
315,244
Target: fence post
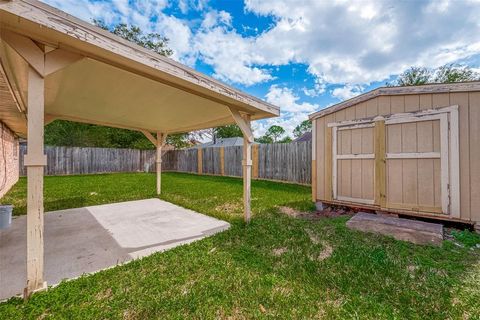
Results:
x,y
222,161
200,161
255,161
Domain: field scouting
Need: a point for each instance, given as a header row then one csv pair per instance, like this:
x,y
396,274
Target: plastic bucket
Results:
x,y
5,216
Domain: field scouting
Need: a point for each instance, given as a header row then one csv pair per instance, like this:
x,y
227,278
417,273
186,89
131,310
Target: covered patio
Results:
x,y
54,66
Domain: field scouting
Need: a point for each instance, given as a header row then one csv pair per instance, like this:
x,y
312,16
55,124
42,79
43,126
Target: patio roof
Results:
x,y
108,80
54,66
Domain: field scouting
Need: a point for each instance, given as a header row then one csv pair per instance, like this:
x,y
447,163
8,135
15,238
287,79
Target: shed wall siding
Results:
x,y
469,136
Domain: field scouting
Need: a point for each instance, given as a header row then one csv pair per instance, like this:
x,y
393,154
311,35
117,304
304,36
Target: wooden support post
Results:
x,y
243,121
247,173
255,160
200,161
380,164
35,161
161,138
222,161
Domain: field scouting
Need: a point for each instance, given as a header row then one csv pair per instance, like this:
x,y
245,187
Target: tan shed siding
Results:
x,y
474,101
371,107
412,103
361,110
425,170
320,159
383,105
397,104
425,101
461,99
9,151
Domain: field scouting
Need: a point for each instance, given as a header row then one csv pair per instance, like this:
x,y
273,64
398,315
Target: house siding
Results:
x,y
9,151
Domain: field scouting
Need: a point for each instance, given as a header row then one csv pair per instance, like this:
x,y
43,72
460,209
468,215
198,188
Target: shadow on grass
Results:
x,y
53,205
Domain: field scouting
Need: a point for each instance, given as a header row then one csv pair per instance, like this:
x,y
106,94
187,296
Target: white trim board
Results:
x,y
420,114
358,200
356,156
413,155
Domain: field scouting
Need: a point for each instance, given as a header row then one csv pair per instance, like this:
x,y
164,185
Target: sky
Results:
x,y
301,55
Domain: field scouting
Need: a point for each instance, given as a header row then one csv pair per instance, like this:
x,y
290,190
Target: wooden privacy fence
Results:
x,y
289,162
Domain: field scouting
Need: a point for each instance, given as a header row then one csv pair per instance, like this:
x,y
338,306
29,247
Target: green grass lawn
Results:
x,y
276,267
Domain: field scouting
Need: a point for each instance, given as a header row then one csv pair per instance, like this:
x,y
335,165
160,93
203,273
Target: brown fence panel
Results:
x,y
282,161
285,162
233,161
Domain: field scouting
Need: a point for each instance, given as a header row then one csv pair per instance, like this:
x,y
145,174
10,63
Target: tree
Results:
x,y
151,41
286,139
275,132
273,135
413,77
303,127
228,131
66,133
179,140
455,73
264,139
445,74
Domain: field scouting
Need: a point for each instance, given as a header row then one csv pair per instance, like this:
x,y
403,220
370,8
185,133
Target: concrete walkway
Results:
x,y
89,239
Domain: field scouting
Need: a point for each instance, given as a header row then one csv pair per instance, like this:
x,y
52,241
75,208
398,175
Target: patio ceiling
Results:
x,y
107,80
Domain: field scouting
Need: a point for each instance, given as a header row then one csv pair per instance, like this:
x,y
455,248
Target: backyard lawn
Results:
x,y
276,267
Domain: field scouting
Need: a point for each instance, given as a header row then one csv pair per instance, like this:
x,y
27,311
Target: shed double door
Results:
x,y
416,153
354,163
418,167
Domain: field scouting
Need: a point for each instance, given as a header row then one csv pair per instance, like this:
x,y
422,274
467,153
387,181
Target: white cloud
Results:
x,y
361,42
346,92
230,54
319,87
287,100
293,111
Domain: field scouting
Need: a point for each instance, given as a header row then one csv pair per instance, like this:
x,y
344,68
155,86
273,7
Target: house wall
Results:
x,y
469,139
9,169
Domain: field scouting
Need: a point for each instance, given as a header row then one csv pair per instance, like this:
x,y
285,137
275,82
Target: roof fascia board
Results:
x,y
392,91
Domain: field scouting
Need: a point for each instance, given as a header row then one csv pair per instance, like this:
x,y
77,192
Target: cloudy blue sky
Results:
x,y
302,55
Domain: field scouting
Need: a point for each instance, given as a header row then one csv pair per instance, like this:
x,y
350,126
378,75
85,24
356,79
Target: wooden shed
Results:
x,y
411,150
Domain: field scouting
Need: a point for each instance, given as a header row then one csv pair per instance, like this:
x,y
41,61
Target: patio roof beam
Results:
x,y
150,137
43,63
243,123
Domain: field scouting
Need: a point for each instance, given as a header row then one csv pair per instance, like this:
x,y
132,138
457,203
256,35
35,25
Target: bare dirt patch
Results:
x,y
279,251
106,294
329,212
229,207
313,237
324,254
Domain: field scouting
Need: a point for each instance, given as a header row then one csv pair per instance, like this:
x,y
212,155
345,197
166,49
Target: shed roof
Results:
x,y
392,91
113,82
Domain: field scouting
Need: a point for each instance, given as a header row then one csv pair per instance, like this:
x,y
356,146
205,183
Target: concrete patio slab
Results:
x,y
90,239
